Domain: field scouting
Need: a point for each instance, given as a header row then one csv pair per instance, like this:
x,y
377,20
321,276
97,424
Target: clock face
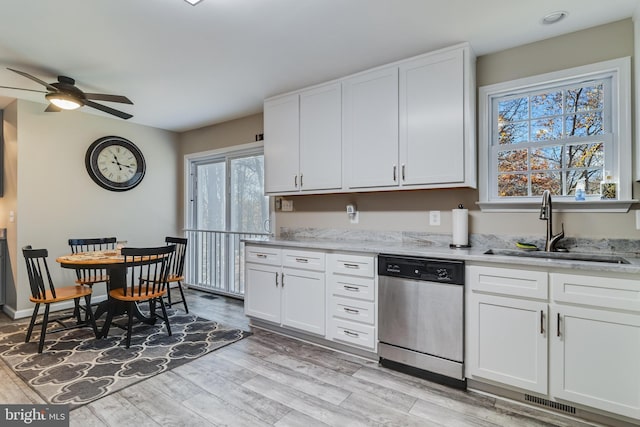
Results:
x,y
115,163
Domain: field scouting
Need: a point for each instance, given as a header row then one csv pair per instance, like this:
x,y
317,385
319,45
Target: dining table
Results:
x,y
114,263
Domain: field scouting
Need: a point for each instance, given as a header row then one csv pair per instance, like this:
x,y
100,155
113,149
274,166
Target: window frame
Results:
x,y
619,162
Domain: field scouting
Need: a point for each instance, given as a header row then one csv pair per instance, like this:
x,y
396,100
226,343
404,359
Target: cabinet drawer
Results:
x,y
353,333
354,310
263,255
307,260
353,265
352,287
603,292
508,281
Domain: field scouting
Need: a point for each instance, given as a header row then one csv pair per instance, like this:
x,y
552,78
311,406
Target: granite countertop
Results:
x,y
473,254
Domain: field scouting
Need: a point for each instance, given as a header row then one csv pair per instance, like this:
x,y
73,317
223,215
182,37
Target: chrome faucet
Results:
x,y
546,214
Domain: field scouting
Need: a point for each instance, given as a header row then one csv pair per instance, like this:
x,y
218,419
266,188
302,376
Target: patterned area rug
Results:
x,y
75,368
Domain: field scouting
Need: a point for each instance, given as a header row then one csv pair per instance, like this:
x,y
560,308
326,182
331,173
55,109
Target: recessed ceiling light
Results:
x,y
554,17
193,2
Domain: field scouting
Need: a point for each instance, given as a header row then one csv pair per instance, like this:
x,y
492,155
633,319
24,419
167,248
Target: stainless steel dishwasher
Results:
x,y
421,317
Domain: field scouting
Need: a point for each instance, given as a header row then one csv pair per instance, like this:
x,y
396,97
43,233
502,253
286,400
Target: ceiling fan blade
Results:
x,y
20,88
52,109
110,98
109,110
35,79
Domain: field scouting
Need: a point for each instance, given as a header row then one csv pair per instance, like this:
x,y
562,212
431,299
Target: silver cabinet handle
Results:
x,y
403,172
302,260
282,280
295,181
394,173
542,322
261,256
351,288
300,180
356,266
351,334
351,310
558,326
276,280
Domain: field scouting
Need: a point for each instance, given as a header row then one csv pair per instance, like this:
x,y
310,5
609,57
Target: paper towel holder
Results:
x,y
456,246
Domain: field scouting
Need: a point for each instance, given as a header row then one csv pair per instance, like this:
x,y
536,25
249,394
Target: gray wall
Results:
x,y
53,197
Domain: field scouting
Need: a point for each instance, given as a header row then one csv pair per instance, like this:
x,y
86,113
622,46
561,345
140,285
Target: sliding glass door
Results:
x,y
227,204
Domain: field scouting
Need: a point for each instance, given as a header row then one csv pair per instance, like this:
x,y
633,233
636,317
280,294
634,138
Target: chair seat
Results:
x,y
119,294
92,280
174,278
63,294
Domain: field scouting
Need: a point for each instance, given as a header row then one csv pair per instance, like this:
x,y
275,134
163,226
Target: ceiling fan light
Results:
x,y
63,101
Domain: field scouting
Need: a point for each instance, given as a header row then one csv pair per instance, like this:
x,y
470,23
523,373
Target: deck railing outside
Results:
x,y
215,260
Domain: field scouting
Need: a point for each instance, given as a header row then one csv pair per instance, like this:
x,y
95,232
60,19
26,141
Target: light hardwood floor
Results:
x,y
271,380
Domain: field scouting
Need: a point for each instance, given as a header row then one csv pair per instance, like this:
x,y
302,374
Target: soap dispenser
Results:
x,y
580,190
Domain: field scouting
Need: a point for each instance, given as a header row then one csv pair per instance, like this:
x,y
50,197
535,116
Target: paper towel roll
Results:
x,y
460,219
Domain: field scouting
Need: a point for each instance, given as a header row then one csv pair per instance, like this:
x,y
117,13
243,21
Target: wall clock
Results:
x,y
115,163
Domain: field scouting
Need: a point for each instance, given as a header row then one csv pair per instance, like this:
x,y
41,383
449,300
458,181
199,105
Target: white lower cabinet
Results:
x,y
303,296
508,341
351,300
286,287
277,292
588,329
595,346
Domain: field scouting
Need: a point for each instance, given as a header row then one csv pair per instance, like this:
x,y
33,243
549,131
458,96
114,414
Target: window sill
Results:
x,y
559,206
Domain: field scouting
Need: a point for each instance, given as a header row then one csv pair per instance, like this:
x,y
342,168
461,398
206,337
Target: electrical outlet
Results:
x,y
354,218
287,205
434,217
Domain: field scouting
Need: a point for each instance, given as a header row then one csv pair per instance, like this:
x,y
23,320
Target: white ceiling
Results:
x,y
185,67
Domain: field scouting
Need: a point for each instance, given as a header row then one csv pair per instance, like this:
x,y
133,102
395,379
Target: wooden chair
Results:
x,y
147,270
44,292
91,276
176,269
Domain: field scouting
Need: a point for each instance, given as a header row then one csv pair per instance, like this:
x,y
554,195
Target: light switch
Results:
x,y
12,216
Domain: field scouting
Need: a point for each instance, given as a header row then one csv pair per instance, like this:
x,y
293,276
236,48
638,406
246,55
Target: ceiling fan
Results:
x,y
64,95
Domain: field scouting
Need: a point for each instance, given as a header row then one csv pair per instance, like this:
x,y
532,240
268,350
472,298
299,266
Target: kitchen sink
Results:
x,y
571,256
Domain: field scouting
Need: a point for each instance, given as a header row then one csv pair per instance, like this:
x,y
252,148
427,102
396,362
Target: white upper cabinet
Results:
x,y
436,127
371,129
281,146
321,138
409,124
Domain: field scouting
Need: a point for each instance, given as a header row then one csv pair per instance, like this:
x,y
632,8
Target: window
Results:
x,y
553,130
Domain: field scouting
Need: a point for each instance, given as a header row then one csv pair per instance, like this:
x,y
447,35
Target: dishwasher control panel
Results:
x,y
424,269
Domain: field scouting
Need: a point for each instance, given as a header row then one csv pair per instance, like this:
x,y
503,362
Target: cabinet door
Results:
x,y
595,358
303,300
370,104
321,138
432,120
262,292
508,341
281,141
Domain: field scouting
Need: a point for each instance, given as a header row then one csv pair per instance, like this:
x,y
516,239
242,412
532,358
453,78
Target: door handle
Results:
x,y
558,326
282,280
276,280
542,321
403,172
295,181
394,173
300,180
